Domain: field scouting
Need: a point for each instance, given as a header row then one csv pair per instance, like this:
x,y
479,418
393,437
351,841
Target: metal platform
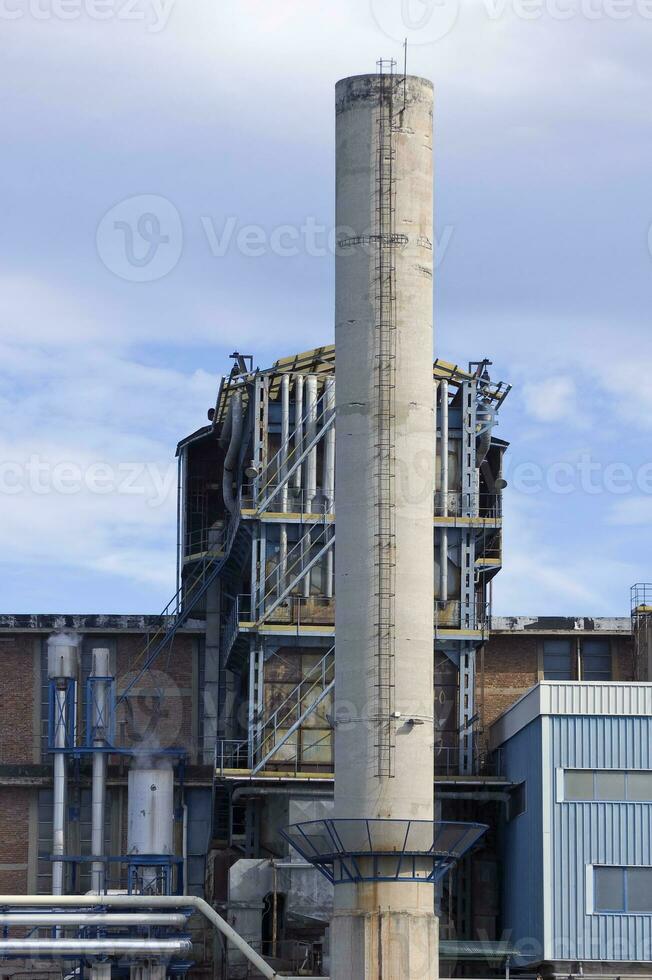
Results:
x,y
351,851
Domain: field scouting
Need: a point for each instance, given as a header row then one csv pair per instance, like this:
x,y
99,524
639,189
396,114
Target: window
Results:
x,y
582,785
596,660
557,660
621,890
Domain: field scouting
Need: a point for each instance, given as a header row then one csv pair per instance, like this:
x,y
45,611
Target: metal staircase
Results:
x,y
289,457
316,540
185,599
273,732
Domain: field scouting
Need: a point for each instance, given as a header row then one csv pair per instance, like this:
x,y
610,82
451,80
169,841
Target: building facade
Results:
x,y
579,758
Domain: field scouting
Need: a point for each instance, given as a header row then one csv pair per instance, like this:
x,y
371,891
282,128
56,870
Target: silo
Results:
x,y
150,825
384,501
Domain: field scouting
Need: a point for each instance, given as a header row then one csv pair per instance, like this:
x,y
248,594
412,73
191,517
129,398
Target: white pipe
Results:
x,y
329,446
329,476
184,846
59,793
283,463
100,668
311,431
150,902
95,947
444,449
444,481
65,919
298,426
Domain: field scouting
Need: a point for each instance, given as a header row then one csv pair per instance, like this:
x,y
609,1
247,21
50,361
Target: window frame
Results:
x,y
624,869
595,773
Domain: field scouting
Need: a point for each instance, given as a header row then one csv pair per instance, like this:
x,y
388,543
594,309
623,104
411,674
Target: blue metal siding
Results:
x,y
523,850
597,833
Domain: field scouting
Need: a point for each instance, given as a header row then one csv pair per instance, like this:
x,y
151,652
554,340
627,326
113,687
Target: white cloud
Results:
x,y
554,399
632,512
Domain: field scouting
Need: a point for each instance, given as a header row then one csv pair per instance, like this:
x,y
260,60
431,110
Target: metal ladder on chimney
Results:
x,y
385,424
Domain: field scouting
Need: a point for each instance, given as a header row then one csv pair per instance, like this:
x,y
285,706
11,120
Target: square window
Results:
x,y
578,785
609,889
639,889
557,660
596,660
639,786
609,786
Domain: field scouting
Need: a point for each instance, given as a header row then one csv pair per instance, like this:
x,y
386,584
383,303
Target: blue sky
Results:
x,y
214,117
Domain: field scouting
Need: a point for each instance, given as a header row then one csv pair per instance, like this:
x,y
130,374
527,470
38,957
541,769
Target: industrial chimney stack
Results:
x,y
384,491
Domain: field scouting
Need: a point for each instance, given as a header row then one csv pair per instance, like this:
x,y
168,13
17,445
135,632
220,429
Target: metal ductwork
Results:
x,y
230,440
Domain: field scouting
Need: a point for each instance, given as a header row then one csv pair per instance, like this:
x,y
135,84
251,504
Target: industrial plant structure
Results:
x,y
326,757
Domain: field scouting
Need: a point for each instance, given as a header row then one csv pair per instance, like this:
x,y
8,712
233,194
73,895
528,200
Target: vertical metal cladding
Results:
x,y
385,435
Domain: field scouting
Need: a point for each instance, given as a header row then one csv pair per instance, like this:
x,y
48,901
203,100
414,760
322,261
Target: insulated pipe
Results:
x,y
285,436
329,476
151,902
59,794
37,920
329,447
311,431
100,669
444,481
234,430
143,948
63,662
298,427
310,467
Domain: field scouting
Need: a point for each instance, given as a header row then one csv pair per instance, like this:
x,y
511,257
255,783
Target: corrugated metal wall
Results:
x,y
596,833
523,846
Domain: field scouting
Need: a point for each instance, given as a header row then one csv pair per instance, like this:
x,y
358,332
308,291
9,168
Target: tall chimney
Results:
x,y
384,765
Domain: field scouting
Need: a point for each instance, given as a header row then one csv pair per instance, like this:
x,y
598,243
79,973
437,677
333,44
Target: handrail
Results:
x,y
199,584
275,720
290,441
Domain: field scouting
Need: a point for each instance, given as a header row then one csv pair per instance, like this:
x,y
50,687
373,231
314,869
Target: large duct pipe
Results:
x,y
101,671
444,483
152,902
143,948
329,476
384,492
103,920
298,427
311,431
232,433
283,464
63,667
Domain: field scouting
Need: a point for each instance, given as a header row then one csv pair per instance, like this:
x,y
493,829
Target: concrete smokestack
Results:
x,y
384,761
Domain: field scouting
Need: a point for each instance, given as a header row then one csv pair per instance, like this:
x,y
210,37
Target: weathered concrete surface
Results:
x,y
384,930
384,945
